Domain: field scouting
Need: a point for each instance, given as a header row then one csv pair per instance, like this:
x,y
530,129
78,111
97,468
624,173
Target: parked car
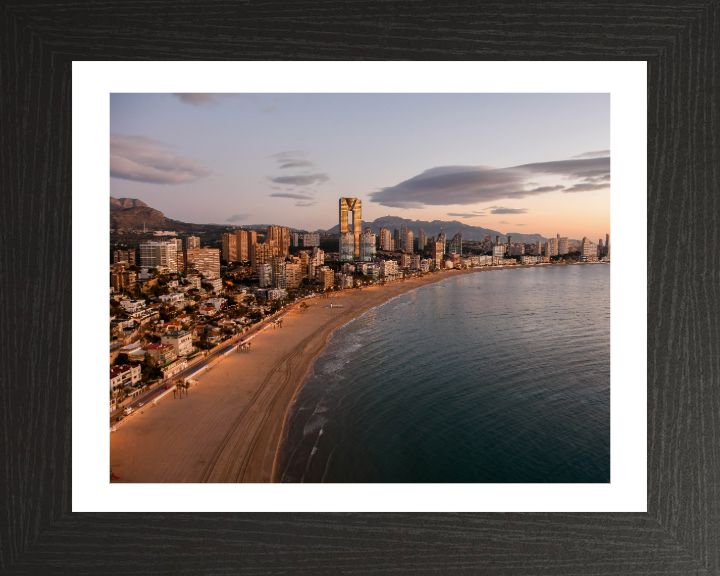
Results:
x,y
118,419
141,404
167,387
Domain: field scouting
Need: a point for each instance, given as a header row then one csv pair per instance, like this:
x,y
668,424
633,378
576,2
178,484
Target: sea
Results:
x,y
498,376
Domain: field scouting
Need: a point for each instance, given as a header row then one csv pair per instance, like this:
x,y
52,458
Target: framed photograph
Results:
x,y
362,292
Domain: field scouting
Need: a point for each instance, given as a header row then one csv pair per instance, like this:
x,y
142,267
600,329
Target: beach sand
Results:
x,y
229,426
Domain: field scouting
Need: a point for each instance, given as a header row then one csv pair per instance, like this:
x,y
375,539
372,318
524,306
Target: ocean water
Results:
x,y
500,376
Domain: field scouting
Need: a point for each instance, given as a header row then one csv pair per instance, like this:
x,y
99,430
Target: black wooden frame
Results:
x,y
680,534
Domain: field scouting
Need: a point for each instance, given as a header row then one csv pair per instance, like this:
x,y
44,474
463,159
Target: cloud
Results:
x,y
465,214
295,196
503,222
296,164
501,210
301,179
520,224
197,99
143,159
585,187
597,154
303,204
463,185
238,217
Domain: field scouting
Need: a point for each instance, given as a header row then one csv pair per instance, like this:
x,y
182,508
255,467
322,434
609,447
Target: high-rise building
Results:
x,y
304,261
538,248
422,241
294,239
281,236
124,256
122,280
587,250
437,252
607,240
367,246
600,242
351,222
312,239
563,246
205,261
159,255
241,245
262,253
509,240
551,248
265,275
456,244
229,247
497,240
347,247
407,239
278,272
441,241
293,275
385,239
192,242
397,239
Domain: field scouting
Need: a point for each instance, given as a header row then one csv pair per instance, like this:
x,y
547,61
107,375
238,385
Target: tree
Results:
x,y
122,358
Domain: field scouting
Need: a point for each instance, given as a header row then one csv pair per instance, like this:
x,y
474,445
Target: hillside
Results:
x,y
450,227
134,218
124,203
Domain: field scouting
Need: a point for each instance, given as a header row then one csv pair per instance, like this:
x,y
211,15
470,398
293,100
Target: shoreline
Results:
x,y
230,428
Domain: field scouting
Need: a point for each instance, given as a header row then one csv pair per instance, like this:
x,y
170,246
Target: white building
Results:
x,y
172,298
499,251
216,303
133,306
388,268
216,283
265,273
159,255
181,341
124,375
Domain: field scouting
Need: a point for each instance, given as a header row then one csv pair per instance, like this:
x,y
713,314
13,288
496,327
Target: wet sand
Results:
x,y
229,426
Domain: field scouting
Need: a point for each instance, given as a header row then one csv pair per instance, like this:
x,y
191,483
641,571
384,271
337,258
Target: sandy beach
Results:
x,y
229,426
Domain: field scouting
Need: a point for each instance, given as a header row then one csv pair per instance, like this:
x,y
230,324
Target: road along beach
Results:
x,y
228,427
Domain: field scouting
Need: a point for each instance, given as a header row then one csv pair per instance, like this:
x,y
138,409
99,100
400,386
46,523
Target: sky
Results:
x,y
515,163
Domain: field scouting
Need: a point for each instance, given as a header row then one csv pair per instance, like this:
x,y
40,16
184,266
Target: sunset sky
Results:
x,y
516,163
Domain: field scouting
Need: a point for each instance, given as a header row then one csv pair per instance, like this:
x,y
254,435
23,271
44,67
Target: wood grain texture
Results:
x,y
681,531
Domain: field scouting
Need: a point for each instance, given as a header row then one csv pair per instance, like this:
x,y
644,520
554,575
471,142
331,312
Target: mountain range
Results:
x,y
450,227
131,213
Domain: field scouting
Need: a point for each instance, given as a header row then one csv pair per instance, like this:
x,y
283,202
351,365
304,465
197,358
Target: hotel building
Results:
x,y
159,255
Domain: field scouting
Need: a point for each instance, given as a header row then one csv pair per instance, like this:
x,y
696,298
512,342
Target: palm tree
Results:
x,y
179,385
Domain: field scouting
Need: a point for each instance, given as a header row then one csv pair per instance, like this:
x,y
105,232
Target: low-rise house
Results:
x,y
207,311
183,318
133,306
181,340
173,325
216,284
217,303
124,375
171,369
226,323
172,298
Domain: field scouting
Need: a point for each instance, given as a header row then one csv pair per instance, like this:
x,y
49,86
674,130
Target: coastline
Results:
x,y
229,428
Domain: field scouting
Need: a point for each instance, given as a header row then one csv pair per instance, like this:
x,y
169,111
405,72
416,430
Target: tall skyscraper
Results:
x,y
586,249
407,239
600,242
563,246
422,241
242,245
441,241
192,242
294,239
456,244
397,239
509,240
293,275
552,247
229,247
159,255
281,236
367,246
385,239
497,240
265,275
607,240
351,222
538,248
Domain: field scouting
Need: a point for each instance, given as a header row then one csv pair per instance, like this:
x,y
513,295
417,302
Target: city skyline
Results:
x,y
516,163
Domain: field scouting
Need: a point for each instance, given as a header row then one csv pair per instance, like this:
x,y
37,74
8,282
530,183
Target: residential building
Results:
x,y
516,249
281,236
538,248
397,239
326,278
279,279
162,353
456,244
124,375
122,280
563,246
216,284
124,256
425,265
587,250
159,255
499,251
441,241
347,247
385,239
346,281
244,242
192,242
551,247
207,311
528,259
277,294
422,241
205,261
367,246
294,239
176,367
389,268
172,298
229,247
263,253
265,274
195,282
133,306
293,275
312,239
217,303
181,341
